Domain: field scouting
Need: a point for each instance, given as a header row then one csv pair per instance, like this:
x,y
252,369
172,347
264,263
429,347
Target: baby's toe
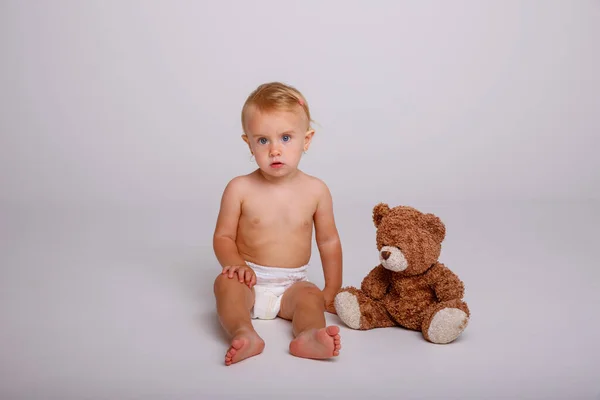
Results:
x,y
333,330
229,356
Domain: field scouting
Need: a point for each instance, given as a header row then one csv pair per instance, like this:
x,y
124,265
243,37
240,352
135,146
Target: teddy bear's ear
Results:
x,y
435,226
380,211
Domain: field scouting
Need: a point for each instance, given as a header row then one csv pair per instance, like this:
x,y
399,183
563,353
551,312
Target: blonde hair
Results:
x,y
275,96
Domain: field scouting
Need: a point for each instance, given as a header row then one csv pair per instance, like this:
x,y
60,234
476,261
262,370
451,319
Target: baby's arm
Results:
x,y
225,234
329,245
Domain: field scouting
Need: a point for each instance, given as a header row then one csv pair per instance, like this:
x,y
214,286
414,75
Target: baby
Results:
x,y
264,230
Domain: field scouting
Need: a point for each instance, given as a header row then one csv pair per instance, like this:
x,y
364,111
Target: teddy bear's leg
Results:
x,y
358,311
444,322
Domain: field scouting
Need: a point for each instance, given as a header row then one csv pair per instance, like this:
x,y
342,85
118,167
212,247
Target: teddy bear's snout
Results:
x,y
392,258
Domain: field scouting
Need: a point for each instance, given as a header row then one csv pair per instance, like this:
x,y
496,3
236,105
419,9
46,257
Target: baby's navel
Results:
x,y
256,220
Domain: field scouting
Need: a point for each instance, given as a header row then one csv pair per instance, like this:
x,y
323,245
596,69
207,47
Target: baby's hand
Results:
x,y
245,274
329,302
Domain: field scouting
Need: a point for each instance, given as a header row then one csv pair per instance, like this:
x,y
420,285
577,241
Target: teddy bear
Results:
x,y
410,287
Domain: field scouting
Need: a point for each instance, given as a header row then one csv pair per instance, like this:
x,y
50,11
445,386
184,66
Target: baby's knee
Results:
x,y
312,294
222,281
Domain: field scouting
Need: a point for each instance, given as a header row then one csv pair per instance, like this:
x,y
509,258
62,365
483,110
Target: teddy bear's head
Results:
x,y
409,241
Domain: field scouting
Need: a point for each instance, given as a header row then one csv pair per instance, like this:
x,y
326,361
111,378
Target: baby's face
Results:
x,y
277,140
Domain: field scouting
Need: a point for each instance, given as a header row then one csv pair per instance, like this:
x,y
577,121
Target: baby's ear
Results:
x,y
380,211
308,139
247,140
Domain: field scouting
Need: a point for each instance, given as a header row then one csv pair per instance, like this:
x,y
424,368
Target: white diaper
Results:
x,y
271,283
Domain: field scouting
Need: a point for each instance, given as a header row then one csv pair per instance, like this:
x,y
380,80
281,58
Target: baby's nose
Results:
x,y
385,254
275,151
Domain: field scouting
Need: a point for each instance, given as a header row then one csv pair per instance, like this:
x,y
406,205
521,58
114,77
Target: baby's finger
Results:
x,y
252,281
232,271
225,269
241,274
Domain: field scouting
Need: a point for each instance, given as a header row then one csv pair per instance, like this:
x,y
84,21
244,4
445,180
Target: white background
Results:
x,y
120,127
137,104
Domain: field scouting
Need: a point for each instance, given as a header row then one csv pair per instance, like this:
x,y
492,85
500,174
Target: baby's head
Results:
x,y
276,123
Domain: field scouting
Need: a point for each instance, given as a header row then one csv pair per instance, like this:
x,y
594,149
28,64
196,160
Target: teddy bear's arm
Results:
x,y
445,283
376,283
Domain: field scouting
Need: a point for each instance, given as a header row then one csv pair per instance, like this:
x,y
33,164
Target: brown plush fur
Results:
x,y
426,296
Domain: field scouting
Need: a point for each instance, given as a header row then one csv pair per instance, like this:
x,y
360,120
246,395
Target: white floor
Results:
x,y
120,306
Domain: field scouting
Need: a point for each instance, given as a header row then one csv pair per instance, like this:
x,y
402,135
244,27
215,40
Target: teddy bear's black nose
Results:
x,y
385,254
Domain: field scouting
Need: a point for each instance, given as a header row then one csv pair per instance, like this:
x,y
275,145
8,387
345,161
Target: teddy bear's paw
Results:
x,y
446,325
348,309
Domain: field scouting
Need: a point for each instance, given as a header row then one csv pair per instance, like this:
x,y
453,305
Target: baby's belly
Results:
x,y
275,249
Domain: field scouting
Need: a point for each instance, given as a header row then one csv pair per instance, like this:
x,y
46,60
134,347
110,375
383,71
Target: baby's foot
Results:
x,y
245,344
317,343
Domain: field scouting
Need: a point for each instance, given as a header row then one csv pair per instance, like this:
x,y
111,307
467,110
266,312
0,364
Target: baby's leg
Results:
x,y
304,305
234,302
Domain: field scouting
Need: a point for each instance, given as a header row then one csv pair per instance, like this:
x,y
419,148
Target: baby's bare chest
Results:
x,y
285,213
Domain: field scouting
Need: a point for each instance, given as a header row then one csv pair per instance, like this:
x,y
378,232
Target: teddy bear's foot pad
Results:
x,y
348,309
446,325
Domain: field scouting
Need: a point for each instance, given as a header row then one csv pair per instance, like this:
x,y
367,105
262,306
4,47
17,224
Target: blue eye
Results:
x,y
286,138
262,141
